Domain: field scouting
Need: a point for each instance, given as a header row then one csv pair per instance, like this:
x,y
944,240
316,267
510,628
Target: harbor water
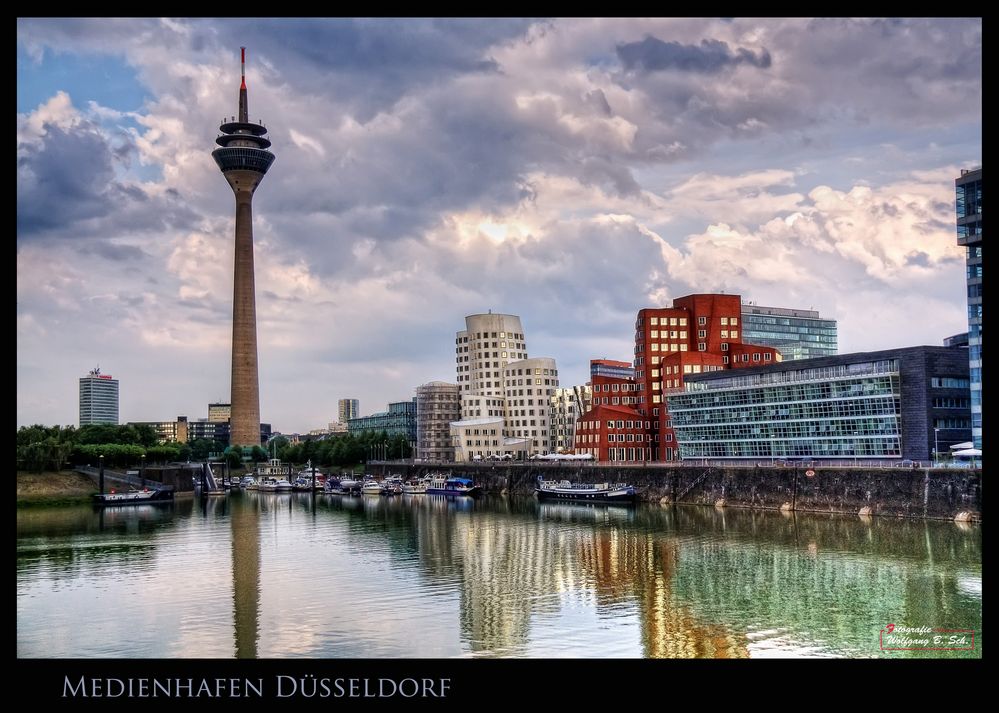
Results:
x,y
288,575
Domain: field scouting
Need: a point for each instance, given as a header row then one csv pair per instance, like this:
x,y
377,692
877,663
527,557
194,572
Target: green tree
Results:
x,y
234,456
258,454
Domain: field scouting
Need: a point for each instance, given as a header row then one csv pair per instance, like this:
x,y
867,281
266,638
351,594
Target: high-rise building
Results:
x,y
969,235
348,409
219,412
243,158
796,333
698,334
897,403
98,398
504,393
437,405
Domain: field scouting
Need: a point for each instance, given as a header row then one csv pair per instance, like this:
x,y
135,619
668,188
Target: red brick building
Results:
x,y
613,430
698,333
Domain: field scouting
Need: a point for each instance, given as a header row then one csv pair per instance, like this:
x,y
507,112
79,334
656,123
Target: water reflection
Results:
x,y
342,576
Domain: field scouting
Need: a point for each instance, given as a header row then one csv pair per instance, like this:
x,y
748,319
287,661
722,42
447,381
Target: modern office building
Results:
x,y
98,398
795,333
891,404
504,393
243,158
957,340
167,431
969,235
219,412
698,334
220,431
399,420
348,409
566,406
437,405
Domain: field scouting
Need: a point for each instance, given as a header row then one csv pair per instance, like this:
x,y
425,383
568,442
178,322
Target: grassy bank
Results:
x,y
63,488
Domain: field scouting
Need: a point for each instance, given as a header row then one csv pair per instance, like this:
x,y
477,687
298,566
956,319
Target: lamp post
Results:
x,y
936,445
100,460
142,469
855,449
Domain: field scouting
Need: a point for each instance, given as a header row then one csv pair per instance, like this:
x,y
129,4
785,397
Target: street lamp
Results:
x,y
936,445
142,469
100,460
855,449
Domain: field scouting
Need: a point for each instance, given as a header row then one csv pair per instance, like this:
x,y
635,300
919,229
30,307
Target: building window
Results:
x,y
701,346
756,356
702,333
734,321
724,321
724,334
725,357
724,346
653,320
735,334
701,321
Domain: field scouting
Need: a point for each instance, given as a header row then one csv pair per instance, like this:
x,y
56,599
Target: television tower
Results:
x,y
244,160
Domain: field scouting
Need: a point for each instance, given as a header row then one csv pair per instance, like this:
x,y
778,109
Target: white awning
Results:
x,y
968,452
962,446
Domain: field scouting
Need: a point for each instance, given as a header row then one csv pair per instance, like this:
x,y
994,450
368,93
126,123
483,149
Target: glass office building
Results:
x,y
901,403
969,235
98,398
399,420
796,333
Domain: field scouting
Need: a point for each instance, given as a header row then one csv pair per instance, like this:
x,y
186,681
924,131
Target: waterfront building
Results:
x,y
348,409
698,334
969,235
613,413
243,158
795,333
98,398
338,427
399,420
957,340
220,431
437,405
167,431
891,404
504,394
566,405
219,412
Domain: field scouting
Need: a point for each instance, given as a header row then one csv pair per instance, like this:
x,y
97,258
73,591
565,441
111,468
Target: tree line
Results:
x,y
55,447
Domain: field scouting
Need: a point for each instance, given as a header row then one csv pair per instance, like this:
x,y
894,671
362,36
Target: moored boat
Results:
x,y
133,497
415,486
442,485
586,492
372,487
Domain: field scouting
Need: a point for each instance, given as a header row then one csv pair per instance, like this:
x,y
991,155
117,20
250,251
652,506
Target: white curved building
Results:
x,y
504,394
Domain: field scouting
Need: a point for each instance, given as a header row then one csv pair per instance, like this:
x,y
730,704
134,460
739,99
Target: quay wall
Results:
x,y
895,492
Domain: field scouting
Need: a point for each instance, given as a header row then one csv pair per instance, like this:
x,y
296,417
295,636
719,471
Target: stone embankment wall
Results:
x,y
903,492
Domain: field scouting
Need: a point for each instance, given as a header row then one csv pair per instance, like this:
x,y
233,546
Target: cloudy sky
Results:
x,y
568,171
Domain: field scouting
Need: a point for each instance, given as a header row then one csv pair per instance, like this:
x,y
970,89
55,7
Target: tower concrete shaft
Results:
x,y
244,160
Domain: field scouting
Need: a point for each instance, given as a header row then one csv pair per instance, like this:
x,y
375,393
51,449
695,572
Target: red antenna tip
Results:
x,y
242,67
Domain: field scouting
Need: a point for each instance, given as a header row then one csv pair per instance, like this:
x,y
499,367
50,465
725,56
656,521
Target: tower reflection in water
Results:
x,y
245,527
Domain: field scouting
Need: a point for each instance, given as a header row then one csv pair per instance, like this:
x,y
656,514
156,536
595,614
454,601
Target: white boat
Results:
x,y
283,486
248,482
416,486
267,485
372,487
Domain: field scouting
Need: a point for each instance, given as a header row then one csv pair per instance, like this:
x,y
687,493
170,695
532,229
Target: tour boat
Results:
x,y
585,492
442,485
